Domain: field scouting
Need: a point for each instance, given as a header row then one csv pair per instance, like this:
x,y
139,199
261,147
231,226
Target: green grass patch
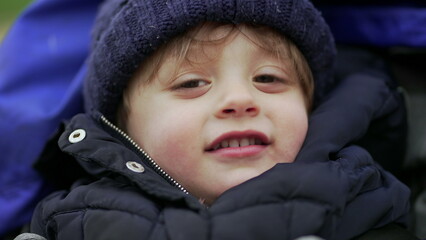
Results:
x,y
9,10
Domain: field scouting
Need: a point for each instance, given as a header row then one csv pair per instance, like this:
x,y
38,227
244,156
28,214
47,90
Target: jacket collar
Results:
x,y
103,151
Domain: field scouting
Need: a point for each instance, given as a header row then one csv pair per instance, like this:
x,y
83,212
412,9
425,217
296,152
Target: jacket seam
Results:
x,y
84,210
333,208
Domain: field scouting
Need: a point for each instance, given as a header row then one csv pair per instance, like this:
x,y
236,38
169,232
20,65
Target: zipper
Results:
x,y
151,161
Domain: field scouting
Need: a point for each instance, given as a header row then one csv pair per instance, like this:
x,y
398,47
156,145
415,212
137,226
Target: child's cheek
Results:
x,y
175,150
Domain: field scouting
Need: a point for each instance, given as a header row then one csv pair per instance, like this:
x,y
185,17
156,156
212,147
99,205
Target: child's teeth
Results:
x,y
234,143
244,142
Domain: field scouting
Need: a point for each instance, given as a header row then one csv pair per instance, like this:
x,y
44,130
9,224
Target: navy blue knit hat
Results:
x,y
127,31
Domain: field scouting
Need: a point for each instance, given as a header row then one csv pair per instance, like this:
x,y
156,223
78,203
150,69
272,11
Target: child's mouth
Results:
x,y
235,143
238,140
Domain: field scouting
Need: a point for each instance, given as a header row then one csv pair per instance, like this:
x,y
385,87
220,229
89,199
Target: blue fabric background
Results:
x,y
41,68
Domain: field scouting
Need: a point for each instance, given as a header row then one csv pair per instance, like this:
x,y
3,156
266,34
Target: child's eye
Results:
x,y
191,84
196,83
267,79
191,88
270,83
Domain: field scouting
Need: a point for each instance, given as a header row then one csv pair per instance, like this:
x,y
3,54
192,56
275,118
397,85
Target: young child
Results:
x,y
197,111
215,97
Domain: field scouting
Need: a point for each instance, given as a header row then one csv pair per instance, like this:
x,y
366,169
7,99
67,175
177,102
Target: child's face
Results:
x,y
220,122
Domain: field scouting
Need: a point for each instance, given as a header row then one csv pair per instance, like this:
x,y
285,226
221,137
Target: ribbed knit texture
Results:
x,y
127,31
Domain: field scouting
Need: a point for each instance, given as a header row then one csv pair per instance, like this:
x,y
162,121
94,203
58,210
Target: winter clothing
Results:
x,y
118,191
59,33
388,232
126,32
337,198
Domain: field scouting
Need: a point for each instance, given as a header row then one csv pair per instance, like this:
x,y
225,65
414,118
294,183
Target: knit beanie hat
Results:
x,y
127,31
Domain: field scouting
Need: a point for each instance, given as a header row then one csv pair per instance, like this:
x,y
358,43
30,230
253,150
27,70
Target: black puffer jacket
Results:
x,y
334,189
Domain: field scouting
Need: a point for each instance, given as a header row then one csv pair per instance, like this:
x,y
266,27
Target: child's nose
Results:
x,y
238,103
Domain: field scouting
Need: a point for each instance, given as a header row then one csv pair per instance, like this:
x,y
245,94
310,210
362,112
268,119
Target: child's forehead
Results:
x,y
204,44
207,46
206,56
211,38
210,31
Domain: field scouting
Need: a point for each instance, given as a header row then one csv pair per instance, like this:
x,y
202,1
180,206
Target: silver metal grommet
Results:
x,y
135,167
76,136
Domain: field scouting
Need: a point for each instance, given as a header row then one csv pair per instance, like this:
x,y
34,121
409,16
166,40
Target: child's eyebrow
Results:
x,y
175,66
284,60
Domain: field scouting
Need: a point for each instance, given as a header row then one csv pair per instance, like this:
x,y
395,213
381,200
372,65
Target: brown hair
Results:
x,y
179,48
